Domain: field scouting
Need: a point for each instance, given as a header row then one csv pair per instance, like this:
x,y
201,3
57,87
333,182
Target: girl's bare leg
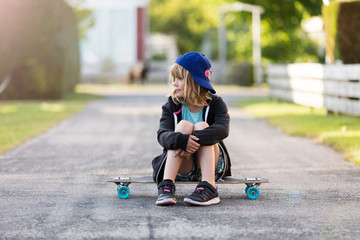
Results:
x,y
207,158
179,164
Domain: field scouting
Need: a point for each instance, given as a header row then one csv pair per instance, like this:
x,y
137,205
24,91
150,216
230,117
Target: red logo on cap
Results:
x,y
207,73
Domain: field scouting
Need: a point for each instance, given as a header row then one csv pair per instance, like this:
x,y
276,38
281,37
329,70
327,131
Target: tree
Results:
x,y
39,49
282,37
342,24
84,16
188,20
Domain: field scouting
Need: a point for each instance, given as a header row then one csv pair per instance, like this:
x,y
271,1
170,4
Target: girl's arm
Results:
x,y
167,137
219,130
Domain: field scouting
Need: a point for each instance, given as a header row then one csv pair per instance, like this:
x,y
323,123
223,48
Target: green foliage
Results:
x,y
282,37
84,16
189,20
158,57
39,48
239,74
348,32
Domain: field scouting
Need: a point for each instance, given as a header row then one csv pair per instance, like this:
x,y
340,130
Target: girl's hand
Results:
x,y
183,154
192,146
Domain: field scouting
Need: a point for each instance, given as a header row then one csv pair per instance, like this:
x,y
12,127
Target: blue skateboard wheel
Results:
x,y
253,193
123,192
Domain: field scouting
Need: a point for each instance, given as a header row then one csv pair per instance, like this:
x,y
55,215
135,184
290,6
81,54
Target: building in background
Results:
x,y
117,42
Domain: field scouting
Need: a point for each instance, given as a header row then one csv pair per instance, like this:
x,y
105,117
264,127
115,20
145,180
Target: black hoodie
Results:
x,y
215,114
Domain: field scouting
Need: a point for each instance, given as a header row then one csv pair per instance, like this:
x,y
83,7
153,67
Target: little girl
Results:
x,y
193,124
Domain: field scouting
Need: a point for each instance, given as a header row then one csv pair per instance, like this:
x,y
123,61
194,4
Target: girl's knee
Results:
x,y
185,127
201,125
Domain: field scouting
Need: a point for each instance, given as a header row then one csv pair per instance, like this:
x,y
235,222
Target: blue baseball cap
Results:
x,y
199,67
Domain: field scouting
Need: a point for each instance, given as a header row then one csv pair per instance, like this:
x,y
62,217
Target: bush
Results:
x,y
39,49
239,73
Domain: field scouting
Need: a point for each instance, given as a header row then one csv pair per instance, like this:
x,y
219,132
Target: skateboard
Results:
x,y
251,189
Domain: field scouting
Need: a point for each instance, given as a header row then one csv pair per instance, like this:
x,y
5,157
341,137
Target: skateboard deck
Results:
x,y
251,189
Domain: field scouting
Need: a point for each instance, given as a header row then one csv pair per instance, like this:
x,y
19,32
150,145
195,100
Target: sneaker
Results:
x,y
166,191
205,194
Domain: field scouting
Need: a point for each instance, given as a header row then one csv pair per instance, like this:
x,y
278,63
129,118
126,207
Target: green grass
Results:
x,y
339,131
22,120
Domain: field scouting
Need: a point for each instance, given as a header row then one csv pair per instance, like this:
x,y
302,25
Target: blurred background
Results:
x,y
47,47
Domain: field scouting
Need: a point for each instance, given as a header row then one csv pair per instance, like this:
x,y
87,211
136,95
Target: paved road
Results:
x,y
53,187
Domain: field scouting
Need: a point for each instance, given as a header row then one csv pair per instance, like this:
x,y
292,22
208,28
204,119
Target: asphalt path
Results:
x,y
54,186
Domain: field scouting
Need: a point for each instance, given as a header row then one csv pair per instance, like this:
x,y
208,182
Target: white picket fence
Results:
x,y
335,87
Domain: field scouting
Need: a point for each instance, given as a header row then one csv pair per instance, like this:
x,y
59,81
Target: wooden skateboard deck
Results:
x,y
251,189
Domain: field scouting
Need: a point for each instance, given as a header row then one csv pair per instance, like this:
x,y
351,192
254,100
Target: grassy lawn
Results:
x,y
339,131
22,120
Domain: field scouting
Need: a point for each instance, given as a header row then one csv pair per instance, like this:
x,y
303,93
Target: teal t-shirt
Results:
x,y
191,117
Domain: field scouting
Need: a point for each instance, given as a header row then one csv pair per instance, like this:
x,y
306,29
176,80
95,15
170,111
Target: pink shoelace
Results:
x,y
199,189
167,188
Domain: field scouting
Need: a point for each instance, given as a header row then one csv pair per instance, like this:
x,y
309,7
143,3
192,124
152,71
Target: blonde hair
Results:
x,y
193,92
